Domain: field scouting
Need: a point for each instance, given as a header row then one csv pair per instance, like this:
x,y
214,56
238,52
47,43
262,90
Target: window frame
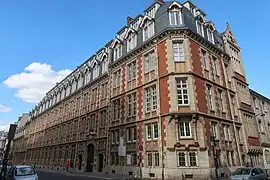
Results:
x,y
148,30
185,123
173,14
180,89
179,49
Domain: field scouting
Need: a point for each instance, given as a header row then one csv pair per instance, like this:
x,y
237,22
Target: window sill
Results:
x,y
183,105
183,61
186,138
188,167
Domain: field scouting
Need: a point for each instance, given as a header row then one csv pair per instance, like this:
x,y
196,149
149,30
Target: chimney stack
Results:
x,y
129,19
161,1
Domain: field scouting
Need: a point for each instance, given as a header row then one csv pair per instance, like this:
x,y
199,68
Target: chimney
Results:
x,y
129,19
161,1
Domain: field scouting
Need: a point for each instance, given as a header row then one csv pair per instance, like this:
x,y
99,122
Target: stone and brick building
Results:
x,y
261,106
149,102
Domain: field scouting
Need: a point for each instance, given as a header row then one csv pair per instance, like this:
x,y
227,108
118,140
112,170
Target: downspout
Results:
x,y
159,119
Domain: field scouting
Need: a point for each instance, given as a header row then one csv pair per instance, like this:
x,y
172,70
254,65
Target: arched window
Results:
x,y
210,33
95,70
117,50
175,15
267,156
148,28
199,25
131,40
104,64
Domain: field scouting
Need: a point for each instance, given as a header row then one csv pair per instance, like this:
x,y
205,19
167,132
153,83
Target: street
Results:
x,y
59,176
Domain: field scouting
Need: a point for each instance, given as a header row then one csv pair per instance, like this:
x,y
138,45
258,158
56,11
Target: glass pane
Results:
x,y
187,129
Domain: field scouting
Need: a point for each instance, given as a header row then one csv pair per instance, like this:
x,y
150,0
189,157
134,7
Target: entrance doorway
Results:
x,y
100,162
80,162
90,157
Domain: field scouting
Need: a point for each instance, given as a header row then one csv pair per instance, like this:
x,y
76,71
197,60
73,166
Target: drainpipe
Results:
x,y
160,120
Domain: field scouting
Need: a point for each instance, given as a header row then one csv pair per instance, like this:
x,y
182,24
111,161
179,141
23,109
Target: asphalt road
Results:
x,y
58,176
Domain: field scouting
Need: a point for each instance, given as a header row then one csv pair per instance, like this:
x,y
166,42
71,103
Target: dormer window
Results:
x,y
117,52
175,15
210,33
199,26
148,29
95,71
131,41
104,64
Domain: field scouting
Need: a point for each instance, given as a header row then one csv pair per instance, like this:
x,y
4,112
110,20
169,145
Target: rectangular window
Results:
x,y
129,135
116,78
131,42
220,99
117,51
131,71
148,30
225,131
182,91
156,158
215,129
149,159
175,17
182,159
148,99
184,129
210,36
149,62
209,96
204,60
178,52
134,134
116,109
149,132
200,28
216,69
192,159
129,105
134,105
155,131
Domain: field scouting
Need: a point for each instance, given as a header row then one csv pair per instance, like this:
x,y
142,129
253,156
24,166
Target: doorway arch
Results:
x,y
100,162
79,165
90,157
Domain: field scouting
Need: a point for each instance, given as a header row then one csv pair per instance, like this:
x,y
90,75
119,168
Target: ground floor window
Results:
x,y
152,159
114,159
187,159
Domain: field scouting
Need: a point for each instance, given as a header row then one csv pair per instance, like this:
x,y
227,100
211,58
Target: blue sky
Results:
x,y
40,41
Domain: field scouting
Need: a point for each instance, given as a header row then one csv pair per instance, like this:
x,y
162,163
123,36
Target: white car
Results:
x,y
22,172
249,173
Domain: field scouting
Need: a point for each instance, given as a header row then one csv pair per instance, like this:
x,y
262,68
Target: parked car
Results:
x,y
22,172
249,173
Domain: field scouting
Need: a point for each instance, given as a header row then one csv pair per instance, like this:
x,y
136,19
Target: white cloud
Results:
x,y
4,109
4,127
35,81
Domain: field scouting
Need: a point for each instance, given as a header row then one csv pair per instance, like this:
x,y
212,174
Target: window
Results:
x,y
225,132
210,35
148,30
184,129
199,25
209,96
216,69
116,109
149,62
255,103
152,159
204,60
215,129
116,78
220,99
187,159
182,159
131,41
117,51
104,64
178,52
175,15
95,71
149,159
150,99
149,132
80,82
152,131
129,135
132,104
131,71
182,91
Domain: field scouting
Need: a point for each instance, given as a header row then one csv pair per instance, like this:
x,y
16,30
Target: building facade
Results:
x,y
261,106
3,141
19,143
149,102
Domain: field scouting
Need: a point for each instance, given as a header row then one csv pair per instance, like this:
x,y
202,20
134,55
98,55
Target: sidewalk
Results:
x,y
94,175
